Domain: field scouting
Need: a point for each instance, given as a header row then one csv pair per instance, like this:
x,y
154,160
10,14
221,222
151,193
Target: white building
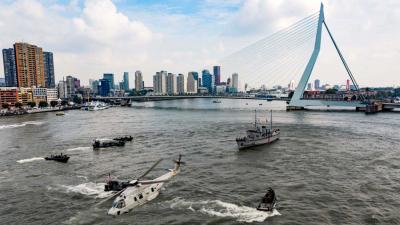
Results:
x,y
172,84
220,89
51,94
180,82
191,84
138,80
160,83
291,85
235,81
62,89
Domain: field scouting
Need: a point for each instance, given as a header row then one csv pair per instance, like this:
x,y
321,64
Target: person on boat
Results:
x,y
268,199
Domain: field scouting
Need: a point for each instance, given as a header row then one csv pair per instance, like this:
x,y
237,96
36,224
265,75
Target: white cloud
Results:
x,y
96,36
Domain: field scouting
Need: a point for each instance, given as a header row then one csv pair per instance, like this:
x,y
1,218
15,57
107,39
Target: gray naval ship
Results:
x,y
261,134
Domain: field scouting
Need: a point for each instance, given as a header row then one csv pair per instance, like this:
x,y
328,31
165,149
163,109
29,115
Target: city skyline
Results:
x,y
126,39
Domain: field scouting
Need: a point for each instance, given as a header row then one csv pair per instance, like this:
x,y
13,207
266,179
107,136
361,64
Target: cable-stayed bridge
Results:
x,y
288,54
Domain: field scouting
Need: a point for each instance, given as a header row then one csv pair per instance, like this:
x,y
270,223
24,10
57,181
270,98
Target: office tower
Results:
x,y
347,85
138,80
291,85
191,84
125,82
208,81
110,77
235,82
217,75
10,69
309,86
160,82
171,84
62,89
95,87
29,65
317,84
48,69
180,83
105,87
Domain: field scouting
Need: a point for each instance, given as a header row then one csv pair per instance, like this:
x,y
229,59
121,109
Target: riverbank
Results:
x,y
33,111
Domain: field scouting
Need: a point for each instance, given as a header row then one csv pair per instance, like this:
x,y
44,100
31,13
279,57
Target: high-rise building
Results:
x,y
309,86
10,69
208,81
110,77
138,80
291,85
347,85
180,84
105,87
49,70
95,87
62,89
317,84
29,65
217,75
126,81
191,83
235,82
160,83
171,84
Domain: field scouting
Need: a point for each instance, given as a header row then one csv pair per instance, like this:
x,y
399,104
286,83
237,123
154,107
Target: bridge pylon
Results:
x,y
297,101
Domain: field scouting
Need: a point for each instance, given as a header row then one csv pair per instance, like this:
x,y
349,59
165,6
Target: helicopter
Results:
x,y
131,194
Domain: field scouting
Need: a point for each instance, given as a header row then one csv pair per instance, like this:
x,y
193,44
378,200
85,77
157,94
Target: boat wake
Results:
x,y
90,189
30,160
223,209
79,149
20,124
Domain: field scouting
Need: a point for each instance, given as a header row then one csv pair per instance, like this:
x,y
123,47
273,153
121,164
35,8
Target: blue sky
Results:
x,y
91,37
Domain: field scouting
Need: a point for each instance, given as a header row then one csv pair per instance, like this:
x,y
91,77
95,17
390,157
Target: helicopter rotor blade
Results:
x,y
110,197
149,170
145,182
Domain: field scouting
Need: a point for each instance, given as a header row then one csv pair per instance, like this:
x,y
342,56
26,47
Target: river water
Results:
x,y
327,168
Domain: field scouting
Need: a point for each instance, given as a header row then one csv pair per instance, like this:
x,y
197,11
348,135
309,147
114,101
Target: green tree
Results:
x,y
53,103
5,105
43,104
31,104
77,100
18,105
331,91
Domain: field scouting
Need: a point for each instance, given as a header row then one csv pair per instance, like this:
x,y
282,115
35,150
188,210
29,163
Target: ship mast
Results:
x,y
271,120
255,119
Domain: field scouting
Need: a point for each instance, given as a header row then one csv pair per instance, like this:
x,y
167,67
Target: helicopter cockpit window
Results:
x,y
120,204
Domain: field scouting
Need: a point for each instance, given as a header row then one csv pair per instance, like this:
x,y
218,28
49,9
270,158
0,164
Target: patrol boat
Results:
x,y
260,135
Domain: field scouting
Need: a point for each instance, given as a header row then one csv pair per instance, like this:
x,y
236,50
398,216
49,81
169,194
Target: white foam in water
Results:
x,y
90,189
30,160
224,209
79,149
20,124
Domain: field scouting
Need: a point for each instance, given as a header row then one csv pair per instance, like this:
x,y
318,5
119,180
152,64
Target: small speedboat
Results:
x,y
216,101
123,138
103,143
61,113
268,202
58,158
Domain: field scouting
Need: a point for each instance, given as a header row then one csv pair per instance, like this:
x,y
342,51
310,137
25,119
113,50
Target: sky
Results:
x,y
92,37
